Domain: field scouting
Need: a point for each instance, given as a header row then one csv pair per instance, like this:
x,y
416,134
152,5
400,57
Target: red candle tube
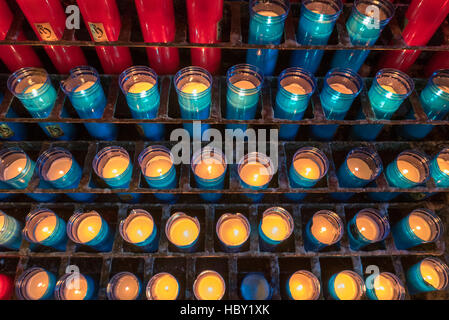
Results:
x,y
439,60
157,21
102,18
6,287
47,18
17,56
204,19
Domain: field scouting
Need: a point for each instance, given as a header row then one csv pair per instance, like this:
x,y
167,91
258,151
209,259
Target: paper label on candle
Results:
x,y
233,232
345,287
75,290
409,171
46,31
98,32
140,87
126,288
430,274
194,87
37,285
359,168
158,166
210,287
307,168
384,288
88,228
301,287
84,86
54,131
114,167
5,131
139,229
165,287
15,168
59,168
420,226
341,88
275,227
45,228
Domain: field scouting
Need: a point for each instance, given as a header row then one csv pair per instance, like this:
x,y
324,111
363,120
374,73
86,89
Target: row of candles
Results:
x,y
430,274
57,168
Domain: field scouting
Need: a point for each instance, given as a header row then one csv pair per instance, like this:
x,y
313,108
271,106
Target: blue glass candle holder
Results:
x,y
361,166
209,169
140,230
44,227
169,284
157,166
209,285
366,227
12,131
123,286
384,286
389,89
193,86
324,229
244,82
83,87
303,285
434,100
113,165
309,165
58,167
75,286
420,226
139,84
255,171
10,232
255,286
430,274
346,285
295,87
90,229
316,22
35,284
410,169
183,231
275,227
340,88
16,171
439,168
233,231
32,86
266,26
365,24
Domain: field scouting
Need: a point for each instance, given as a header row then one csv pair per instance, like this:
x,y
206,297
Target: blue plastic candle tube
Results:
x,y
75,286
255,286
275,227
90,229
266,26
409,169
339,282
83,87
12,131
375,282
29,285
295,87
58,167
10,232
366,227
314,237
430,274
139,84
389,89
309,165
44,227
209,169
157,166
434,100
139,229
360,167
32,86
244,82
340,88
316,22
16,171
118,288
439,168
365,24
420,226
193,86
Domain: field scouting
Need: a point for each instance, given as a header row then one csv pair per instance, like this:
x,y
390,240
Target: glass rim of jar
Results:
x,y
5,152
145,156
385,5
322,16
438,225
20,285
76,72
381,220
284,4
32,220
152,281
338,223
298,72
315,281
132,215
358,279
192,71
255,157
42,164
440,73
21,75
423,161
399,287
282,213
229,216
373,155
61,284
129,75
103,153
251,71
178,215
114,280
399,75
198,156
444,151
201,275
75,220
443,270
345,73
314,152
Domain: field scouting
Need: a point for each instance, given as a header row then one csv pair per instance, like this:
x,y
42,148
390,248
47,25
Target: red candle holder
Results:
x,y
47,18
14,57
157,21
102,18
6,287
204,19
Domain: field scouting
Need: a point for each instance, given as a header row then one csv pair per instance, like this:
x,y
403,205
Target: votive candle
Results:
x,y
275,227
162,286
35,284
430,274
123,286
303,285
140,230
209,285
366,227
10,232
183,231
439,168
233,231
346,285
325,228
384,286
255,286
75,286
